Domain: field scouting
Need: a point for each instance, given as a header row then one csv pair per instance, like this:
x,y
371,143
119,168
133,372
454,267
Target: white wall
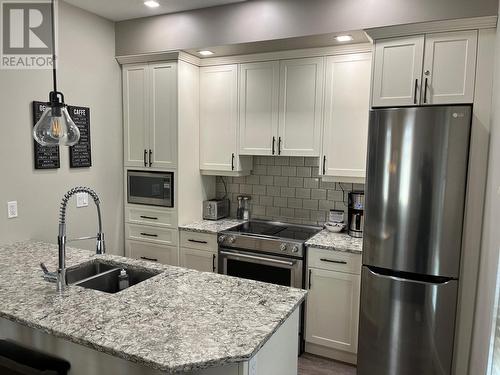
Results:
x,y
259,20
88,76
485,314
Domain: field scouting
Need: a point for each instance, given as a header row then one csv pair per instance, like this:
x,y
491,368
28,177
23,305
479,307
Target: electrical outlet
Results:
x,y
12,209
82,199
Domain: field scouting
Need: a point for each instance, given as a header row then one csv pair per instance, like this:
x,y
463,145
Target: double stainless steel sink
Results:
x,y
102,276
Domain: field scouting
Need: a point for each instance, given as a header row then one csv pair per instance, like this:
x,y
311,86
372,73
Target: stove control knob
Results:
x,y
295,249
221,239
283,247
231,239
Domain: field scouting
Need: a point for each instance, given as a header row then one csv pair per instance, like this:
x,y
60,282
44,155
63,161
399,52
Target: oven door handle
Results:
x,y
263,259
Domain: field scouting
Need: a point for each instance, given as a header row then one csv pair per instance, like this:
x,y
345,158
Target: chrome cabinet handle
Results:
x,y
333,261
150,259
149,235
148,217
415,92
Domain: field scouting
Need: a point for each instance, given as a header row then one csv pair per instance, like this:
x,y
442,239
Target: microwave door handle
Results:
x,y
262,259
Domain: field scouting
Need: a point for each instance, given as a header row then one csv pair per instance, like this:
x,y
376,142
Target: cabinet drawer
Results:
x,y
152,252
150,216
200,241
200,260
151,234
334,260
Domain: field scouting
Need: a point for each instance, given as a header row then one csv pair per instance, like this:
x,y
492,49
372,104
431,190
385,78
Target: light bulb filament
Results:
x,y
56,128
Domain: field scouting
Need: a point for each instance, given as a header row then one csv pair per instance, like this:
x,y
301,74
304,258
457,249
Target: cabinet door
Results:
x,y
218,117
152,252
449,67
300,108
397,71
259,85
163,110
333,309
347,106
200,260
135,114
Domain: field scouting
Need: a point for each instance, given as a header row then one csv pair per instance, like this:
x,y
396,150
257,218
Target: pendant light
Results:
x,y
55,127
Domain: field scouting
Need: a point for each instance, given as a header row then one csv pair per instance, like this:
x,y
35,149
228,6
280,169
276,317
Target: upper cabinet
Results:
x,y
281,107
347,98
449,67
300,106
398,71
425,69
150,115
259,90
219,119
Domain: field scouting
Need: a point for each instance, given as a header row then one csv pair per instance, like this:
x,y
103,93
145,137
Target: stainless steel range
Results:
x,y
265,251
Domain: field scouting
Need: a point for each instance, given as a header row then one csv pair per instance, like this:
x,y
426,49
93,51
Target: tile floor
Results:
x,y
312,365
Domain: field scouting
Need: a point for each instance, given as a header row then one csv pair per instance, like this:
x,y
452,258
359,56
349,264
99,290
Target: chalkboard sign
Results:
x,y
46,157
80,154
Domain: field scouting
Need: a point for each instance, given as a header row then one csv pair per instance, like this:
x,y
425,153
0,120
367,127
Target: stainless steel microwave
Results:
x,y
150,188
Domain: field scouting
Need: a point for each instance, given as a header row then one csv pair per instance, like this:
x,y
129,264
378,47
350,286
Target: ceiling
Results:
x,y
119,10
312,41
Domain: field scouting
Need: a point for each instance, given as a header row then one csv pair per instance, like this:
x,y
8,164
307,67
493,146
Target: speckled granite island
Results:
x,y
179,321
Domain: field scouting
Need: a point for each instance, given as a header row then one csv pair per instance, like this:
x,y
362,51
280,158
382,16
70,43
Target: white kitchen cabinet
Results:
x,y
449,67
333,309
200,260
258,108
219,120
152,252
397,73
347,104
150,115
300,106
135,114
163,110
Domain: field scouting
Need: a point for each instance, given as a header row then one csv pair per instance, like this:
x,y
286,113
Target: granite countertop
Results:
x,y
336,241
211,226
177,321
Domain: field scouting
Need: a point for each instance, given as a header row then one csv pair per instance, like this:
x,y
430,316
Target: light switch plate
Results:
x,y
12,209
82,199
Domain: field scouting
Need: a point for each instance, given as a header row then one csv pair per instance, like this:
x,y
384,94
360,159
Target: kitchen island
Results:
x,y
179,321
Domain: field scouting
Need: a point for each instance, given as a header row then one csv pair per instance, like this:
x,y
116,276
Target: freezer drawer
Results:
x,y
406,326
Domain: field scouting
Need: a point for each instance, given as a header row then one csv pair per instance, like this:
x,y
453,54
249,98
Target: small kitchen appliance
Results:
x,y
215,209
356,207
150,188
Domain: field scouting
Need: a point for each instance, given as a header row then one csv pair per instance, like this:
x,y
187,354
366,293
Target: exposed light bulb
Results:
x,y
56,128
151,4
205,53
344,38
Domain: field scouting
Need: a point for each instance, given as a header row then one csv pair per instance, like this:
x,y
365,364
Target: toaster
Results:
x,y
215,209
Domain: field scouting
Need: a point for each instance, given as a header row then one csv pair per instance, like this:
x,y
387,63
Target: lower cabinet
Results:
x,y
332,311
200,260
198,251
152,252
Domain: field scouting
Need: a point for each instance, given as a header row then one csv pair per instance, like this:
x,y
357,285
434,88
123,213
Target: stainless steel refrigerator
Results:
x,y
414,209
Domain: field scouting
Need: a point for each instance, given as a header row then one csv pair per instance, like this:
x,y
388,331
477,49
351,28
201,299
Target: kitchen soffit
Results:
x,y
119,10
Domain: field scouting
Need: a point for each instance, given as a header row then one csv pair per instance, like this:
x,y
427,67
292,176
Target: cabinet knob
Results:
x,y
427,72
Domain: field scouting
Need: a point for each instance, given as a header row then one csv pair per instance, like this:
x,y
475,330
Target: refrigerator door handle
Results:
x,y
408,276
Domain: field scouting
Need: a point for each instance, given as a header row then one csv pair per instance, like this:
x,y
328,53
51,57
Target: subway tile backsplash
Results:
x,y
287,189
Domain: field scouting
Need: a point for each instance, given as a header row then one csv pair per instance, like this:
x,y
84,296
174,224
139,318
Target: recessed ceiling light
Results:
x,y
205,52
152,4
344,38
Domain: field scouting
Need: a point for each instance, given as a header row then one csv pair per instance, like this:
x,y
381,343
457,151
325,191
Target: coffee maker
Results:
x,y
355,212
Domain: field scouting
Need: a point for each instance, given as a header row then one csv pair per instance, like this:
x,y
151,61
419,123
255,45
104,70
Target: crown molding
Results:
x,y
433,27
291,54
148,57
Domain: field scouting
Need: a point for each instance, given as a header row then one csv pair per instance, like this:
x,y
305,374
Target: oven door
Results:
x,y
261,267
150,188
